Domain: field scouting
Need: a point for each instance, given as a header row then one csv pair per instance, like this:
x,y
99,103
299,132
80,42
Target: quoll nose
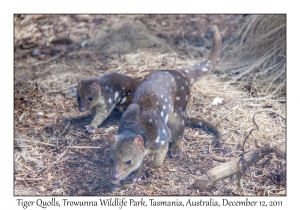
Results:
x,y
114,177
82,109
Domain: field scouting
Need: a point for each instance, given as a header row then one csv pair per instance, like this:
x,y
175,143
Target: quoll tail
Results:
x,y
207,127
210,63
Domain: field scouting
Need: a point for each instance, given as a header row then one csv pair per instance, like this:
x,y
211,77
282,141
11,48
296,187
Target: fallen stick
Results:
x,y
232,167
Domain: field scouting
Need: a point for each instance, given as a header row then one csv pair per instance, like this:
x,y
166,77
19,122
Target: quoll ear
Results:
x,y
95,85
79,81
138,141
113,138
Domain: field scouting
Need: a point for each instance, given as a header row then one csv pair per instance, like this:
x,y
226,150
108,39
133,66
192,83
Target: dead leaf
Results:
x,y
50,115
49,176
283,192
109,129
22,116
42,188
217,101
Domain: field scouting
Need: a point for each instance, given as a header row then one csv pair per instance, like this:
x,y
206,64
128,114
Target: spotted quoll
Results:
x,y
156,116
101,95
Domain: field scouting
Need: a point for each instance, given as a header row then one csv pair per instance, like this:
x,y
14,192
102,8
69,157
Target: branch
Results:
x,y
232,167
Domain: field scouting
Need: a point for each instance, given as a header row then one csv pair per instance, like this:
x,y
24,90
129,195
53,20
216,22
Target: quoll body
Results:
x,y
101,95
156,116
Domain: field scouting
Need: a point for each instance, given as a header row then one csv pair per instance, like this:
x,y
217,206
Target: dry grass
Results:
x,y
55,157
256,55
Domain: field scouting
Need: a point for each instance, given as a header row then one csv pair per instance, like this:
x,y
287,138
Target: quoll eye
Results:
x,y
128,162
78,98
91,98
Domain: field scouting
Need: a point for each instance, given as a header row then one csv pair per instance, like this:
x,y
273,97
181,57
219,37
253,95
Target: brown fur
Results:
x,y
156,116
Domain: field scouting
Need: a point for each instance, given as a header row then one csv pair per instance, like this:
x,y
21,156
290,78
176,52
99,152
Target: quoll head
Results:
x,y
125,156
88,94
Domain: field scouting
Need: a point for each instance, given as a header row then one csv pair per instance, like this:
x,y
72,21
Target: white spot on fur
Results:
x,y
186,82
166,100
128,93
106,87
164,107
169,106
150,120
164,131
157,102
218,59
183,75
186,97
172,80
109,100
178,77
186,71
204,69
178,98
175,115
116,95
123,88
182,88
157,139
166,120
192,80
162,142
161,95
182,122
200,123
162,113
123,100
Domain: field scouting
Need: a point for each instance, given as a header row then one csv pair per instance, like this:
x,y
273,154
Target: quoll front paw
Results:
x,y
175,151
137,178
90,128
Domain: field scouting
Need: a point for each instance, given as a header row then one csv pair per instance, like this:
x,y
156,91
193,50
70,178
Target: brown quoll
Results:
x,y
156,116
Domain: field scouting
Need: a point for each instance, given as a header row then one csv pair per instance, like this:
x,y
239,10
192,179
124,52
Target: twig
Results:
x,y
241,162
53,145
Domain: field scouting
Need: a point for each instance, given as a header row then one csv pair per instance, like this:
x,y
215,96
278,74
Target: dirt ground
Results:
x,y
53,156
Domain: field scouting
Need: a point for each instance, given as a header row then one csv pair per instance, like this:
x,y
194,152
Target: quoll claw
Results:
x,y
138,178
175,153
90,129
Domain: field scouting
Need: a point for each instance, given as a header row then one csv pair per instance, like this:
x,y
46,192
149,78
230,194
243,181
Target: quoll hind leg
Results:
x,y
177,128
159,156
139,174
